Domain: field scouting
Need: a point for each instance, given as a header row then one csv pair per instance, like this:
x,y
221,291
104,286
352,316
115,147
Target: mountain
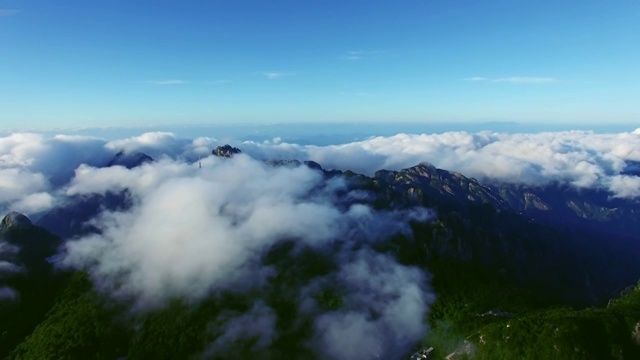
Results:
x,y
26,273
567,238
71,218
554,204
519,272
129,160
225,151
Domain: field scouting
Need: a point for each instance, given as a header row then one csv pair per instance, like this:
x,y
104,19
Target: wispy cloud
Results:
x,y
356,94
8,12
274,75
514,80
526,80
169,82
477,78
358,54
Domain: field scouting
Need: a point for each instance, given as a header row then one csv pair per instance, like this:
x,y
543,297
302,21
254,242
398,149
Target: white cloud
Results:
x,y
377,285
154,144
185,216
274,75
514,80
625,186
34,203
477,78
195,231
9,269
8,12
192,231
583,159
17,183
526,80
358,54
32,166
8,294
169,82
259,323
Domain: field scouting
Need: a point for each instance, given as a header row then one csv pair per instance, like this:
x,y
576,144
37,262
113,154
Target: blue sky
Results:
x,y
96,63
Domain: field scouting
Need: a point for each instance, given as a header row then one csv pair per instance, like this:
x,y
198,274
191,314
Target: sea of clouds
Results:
x,y
34,167
199,224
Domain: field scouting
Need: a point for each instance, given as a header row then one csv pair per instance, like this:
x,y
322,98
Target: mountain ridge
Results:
x,y
517,249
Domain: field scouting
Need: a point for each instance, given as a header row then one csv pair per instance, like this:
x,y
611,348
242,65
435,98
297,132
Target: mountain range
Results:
x,y
554,256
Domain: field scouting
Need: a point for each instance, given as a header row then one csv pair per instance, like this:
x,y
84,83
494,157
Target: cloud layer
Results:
x,y
194,231
9,267
581,159
381,319
33,168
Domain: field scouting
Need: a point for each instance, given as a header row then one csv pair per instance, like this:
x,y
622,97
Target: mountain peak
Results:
x,y
15,219
226,151
129,160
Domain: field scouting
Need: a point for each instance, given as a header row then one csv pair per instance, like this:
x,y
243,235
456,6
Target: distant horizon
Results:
x,y
327,133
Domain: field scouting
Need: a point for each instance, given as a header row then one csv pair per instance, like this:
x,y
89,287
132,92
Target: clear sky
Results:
x,y
86,63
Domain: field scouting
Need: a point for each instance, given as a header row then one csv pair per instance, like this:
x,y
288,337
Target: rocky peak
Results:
x,y
129,160
15,219
313,165
226,151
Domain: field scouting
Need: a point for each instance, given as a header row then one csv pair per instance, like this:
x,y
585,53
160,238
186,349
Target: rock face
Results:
x,y
553,204
226,151
15,219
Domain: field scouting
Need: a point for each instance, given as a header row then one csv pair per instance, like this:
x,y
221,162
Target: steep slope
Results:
x,y
499,255
71,218
516,230
25,248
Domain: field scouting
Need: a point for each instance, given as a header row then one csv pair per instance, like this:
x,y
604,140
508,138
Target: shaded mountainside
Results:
x,y
611,332
71,218
542,256
555,203
535,235
25,248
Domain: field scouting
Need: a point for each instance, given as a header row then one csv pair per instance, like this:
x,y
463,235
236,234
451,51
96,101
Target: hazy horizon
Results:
x,y
324,133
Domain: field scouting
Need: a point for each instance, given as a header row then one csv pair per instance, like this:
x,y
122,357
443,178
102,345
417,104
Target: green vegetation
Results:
x,y
562,333
79,326
507,287
84,325
537,330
